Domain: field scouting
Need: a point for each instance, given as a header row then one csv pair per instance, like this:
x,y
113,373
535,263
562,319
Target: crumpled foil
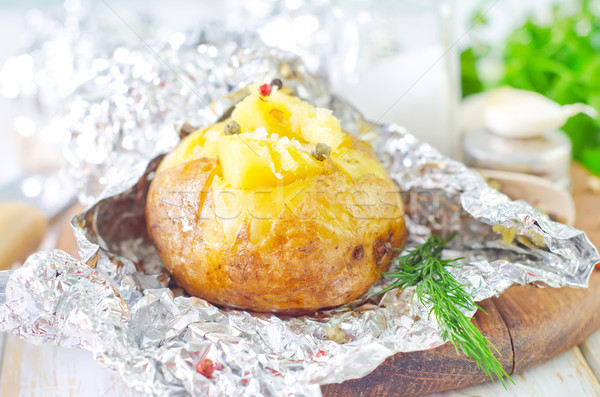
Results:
x,y
108,83
119,302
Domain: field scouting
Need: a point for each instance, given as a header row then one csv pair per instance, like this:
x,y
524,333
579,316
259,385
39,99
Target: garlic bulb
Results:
x,y
523,114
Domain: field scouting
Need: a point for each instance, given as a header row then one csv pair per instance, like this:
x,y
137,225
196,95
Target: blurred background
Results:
x,y
427,65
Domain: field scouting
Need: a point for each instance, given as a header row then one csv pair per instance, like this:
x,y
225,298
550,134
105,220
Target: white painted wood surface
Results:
x,y
590,349
47,371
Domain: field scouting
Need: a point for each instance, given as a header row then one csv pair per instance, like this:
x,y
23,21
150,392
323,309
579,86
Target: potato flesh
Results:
x,y
278,135
245,166
248,162
290,117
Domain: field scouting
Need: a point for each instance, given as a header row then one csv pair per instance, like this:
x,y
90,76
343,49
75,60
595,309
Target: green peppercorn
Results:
x,y
232,128
321,152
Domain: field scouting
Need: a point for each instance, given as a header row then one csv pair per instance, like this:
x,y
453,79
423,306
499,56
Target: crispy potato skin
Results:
x,y
325,249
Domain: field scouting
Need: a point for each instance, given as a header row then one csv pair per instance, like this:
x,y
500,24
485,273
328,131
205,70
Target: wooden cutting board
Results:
x,y
528,326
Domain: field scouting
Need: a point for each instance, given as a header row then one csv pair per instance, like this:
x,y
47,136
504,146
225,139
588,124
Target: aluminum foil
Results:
x,y
108,83
119,302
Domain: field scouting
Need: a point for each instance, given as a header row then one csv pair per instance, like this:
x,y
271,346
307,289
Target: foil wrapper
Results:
x,y
120,303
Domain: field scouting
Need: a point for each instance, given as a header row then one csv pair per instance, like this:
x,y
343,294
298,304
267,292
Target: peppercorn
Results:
x,y
206,367
264,90
232,128
321,152
276,83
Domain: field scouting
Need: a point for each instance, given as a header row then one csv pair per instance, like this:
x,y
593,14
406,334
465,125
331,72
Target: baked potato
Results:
x,y
276,209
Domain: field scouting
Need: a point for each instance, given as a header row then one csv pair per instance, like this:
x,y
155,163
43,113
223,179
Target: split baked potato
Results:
x,y
275,209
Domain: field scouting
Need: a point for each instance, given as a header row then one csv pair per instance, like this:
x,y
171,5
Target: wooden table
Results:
x,y
28,370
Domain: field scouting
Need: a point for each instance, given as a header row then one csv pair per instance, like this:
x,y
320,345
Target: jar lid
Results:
x,y
482,145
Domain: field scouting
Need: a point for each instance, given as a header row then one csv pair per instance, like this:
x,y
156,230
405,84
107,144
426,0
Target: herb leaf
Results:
x,y
424,268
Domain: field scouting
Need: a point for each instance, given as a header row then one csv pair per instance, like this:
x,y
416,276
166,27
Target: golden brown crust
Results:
x,y
327,246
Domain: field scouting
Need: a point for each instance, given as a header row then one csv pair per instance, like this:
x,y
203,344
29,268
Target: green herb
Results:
x,y
424,268
559,58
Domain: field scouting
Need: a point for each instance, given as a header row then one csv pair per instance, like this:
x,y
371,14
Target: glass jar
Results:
x,y
395,62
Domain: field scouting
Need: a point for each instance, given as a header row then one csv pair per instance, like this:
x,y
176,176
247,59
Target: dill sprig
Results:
x,y
435,286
